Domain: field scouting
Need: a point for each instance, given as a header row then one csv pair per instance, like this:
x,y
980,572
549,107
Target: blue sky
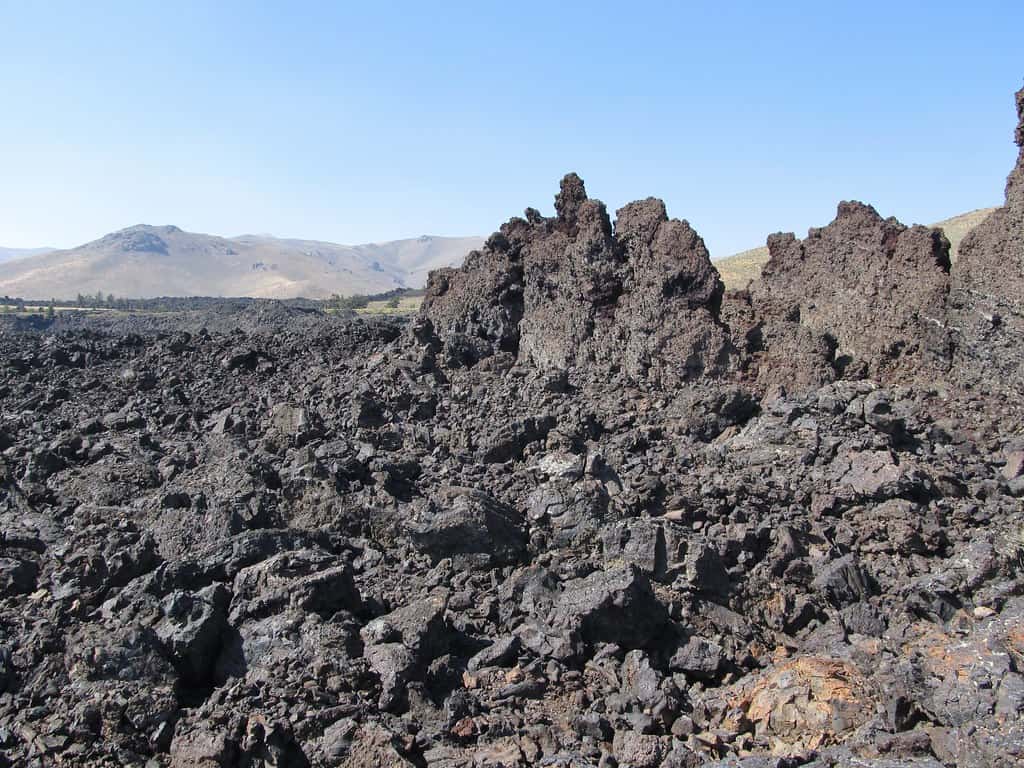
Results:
x,y
358,122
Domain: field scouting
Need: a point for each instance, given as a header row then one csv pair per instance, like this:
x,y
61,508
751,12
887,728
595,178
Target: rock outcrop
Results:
x,y
571,291
861,297
987,301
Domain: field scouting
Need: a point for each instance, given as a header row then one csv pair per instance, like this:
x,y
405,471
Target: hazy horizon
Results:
x,y
359,125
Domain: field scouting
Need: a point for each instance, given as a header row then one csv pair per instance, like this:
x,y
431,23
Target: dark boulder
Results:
x,y
304,580
610,606
699,657
192,630
405,641
17,576
469,526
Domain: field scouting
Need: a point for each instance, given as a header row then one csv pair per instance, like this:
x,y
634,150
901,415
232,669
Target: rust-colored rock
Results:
x,y
806,703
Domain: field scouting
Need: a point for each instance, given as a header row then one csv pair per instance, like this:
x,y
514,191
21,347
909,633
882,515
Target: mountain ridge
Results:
x,y
146,261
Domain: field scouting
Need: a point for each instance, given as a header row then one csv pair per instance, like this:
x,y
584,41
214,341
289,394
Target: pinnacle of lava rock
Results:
x,y
574,291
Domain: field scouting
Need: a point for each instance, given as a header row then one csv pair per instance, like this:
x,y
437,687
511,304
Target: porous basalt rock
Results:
x,y
863,296
986,304
572,291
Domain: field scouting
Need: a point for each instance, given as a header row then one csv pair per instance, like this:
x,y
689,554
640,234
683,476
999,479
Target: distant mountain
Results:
x,y
7,254
738,270
147,261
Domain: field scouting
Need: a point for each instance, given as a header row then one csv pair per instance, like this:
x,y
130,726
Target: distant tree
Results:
x,y
50,311
395,302
356,301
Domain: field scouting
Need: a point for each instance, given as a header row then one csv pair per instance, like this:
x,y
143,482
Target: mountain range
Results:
x,y
150,261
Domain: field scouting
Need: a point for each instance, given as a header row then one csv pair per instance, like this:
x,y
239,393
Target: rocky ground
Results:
x,y
587,510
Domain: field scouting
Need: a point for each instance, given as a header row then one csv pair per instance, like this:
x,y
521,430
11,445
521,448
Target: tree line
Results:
x,y
100,300
392,299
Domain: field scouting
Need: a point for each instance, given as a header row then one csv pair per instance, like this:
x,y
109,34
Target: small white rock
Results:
x,y
566,465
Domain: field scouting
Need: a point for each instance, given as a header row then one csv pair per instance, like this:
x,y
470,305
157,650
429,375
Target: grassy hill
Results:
x,y
738,270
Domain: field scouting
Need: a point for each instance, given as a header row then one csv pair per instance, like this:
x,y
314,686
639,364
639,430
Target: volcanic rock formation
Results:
x,y
987,303
862,297
571,291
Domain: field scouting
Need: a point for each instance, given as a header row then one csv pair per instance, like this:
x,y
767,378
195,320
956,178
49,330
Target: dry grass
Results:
x,y
40,309
407,305
957,227
737,271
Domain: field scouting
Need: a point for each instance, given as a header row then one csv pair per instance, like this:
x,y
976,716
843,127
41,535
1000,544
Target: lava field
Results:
x,y
586,509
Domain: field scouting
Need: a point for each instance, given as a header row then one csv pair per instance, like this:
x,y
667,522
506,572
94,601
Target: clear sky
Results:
x,y
368,121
